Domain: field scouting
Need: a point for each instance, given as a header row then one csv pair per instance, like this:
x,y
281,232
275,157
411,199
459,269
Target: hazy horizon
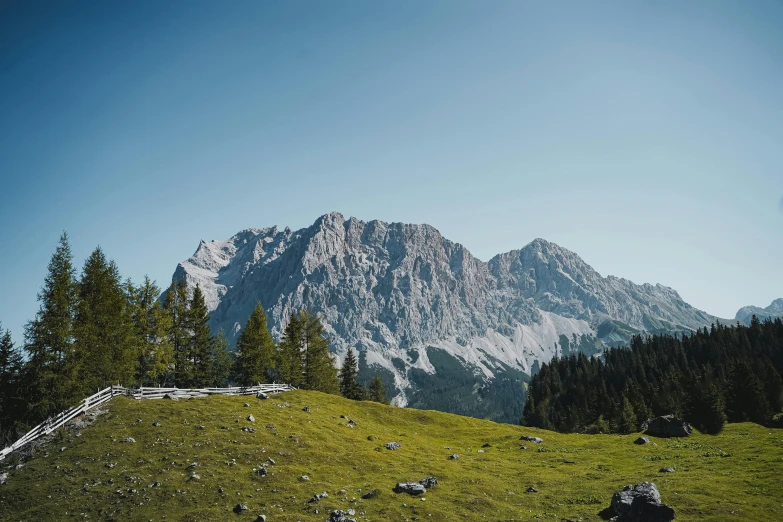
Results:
x,y
645,138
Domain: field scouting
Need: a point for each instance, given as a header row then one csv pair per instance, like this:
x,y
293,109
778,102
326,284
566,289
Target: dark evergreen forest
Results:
x,y
717,374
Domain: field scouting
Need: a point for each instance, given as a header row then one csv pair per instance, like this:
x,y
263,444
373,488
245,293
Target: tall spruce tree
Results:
x,y
176,307
200,346
11,402
289,362
320,372
50,371
103,327
746,400
349,386
151,326
256,349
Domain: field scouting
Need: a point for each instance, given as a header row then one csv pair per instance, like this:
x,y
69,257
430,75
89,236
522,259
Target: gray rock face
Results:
x,y
392,289
641,503
667,426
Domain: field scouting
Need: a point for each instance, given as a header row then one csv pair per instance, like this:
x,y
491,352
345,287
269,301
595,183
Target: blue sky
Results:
x,y
646,137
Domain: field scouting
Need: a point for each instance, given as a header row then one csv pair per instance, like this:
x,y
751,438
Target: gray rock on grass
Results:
x,y
641,503
411,488
392,446
537,440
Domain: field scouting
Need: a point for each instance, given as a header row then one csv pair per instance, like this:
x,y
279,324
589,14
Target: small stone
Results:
x,y
370,494
531,489
306,409
537,440
392,446
240,508
523,447
642,440
129,439
666,470
250,418
156,424
262,395
304,478
261,518
195,477
192,465
110,465
453,457
247,405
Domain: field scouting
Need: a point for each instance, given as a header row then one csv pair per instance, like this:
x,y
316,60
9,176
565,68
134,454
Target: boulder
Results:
x,y
170,397
262,395
411,488
339,515
428,482
537,440
392,445
667,426
641,503
642,440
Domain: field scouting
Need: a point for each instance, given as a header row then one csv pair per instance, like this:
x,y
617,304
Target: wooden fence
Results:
x,y
105,395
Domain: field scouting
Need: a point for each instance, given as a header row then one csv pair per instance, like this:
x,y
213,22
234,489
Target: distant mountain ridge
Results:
x,y
774,310
402,293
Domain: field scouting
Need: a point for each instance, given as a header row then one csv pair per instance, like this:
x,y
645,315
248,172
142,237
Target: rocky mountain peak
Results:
x,y
394,290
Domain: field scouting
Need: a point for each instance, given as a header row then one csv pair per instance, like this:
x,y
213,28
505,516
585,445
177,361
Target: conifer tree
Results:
x,y
151,326
349,387
290,352
627,422
200,346
11,406
377,392
746,400
50,371
255,351
319,370
103,328
220,362
176,307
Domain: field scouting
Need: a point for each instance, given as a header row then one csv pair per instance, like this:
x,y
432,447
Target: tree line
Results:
x,y
97,329
709,377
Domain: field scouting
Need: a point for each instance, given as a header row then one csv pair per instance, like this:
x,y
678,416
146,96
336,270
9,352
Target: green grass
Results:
x,y
732,476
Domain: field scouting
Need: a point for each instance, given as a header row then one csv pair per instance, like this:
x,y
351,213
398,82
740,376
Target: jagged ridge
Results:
x,y
391,289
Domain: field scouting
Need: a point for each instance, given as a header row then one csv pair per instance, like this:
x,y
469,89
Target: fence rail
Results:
x,y
105,395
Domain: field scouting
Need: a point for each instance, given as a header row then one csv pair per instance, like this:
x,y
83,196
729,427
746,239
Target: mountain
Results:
x,y
774,310
449,331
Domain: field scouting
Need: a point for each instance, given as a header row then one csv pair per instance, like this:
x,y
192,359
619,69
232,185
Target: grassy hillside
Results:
x,y
732,476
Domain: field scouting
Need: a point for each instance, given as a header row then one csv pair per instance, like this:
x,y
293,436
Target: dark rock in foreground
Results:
x,y
667,426
641,503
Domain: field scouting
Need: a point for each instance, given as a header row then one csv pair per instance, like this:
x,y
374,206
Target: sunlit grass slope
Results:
x,y
733,476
